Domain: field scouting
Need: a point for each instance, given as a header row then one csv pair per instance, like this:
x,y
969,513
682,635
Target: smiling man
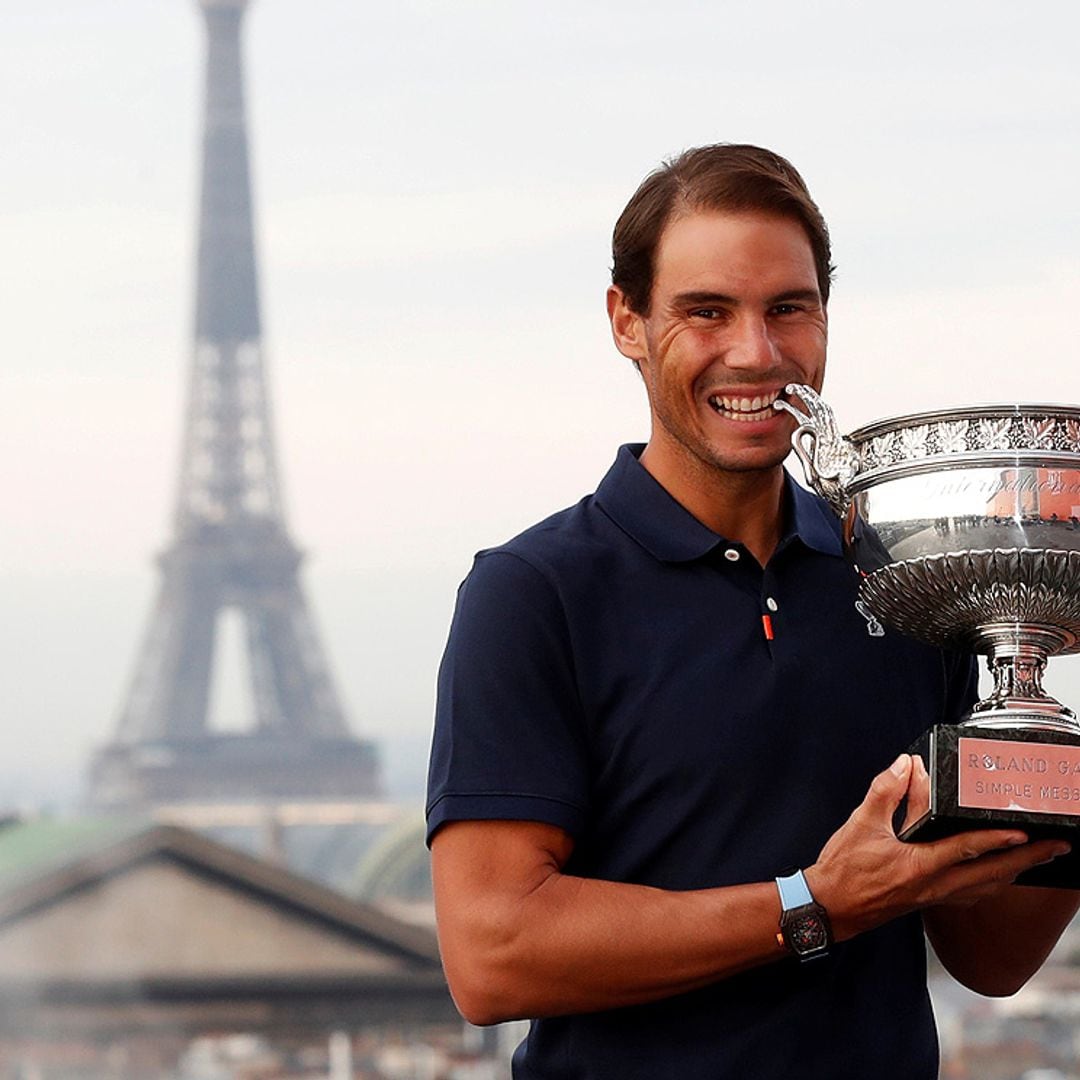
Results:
x,y
668,753
736,313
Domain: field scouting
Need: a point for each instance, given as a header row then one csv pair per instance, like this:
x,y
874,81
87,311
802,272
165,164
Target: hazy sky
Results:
x,y
435,187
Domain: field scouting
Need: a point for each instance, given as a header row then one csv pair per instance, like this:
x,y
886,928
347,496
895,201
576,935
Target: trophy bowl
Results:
x,y
964,527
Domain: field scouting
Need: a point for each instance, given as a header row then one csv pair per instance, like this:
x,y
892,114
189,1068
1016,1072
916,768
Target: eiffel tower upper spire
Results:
x,y
230,549
229,465
227,292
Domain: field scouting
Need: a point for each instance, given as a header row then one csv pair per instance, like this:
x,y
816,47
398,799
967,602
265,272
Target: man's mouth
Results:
x,y
745,409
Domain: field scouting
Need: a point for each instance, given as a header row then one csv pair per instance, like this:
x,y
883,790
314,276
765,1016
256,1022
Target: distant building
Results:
x,y
121,947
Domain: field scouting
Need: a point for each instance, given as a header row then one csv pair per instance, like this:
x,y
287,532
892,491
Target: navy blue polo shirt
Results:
x,y
693,720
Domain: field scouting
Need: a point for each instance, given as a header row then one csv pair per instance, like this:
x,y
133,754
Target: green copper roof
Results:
x,y
32,846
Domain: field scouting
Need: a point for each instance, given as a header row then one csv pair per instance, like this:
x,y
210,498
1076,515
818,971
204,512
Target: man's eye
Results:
x,y
786,309
705,313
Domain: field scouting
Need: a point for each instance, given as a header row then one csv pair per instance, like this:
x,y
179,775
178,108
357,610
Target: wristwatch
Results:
x,y
804,923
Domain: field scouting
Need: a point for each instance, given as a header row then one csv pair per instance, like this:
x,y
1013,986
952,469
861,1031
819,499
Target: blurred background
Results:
x,y
434,189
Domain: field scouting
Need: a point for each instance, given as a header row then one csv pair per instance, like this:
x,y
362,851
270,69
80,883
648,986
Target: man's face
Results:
x,y
736,314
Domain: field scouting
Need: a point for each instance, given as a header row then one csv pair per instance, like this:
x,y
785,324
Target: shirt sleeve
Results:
x,y
509,740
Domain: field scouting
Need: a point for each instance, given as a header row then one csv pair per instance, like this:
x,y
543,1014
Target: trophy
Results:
x,y
964,528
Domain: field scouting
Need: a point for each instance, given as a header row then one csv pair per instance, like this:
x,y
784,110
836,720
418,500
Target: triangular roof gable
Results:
x,y
167,901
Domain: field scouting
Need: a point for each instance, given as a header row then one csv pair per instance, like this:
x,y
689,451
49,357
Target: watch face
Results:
x,y
806,932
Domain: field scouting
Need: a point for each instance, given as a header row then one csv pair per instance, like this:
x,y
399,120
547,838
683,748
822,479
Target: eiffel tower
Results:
x,y
231,550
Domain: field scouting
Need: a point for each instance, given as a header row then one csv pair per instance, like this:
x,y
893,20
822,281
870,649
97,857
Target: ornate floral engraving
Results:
x,y
914,441
948,437
881,451
1072,435
952,437
1039,432
994,433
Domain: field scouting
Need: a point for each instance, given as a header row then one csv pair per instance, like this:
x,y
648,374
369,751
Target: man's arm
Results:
x,y
520,938
994,947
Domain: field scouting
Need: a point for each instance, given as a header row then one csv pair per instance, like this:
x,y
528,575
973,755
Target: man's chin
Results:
x,y
750,461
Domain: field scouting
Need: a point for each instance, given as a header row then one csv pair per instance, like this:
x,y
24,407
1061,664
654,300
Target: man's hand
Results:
x,y
866,876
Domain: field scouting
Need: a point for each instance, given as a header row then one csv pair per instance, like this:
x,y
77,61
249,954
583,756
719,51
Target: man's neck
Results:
x,y
745,507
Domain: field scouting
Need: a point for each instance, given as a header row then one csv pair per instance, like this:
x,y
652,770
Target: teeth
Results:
x,y
743,408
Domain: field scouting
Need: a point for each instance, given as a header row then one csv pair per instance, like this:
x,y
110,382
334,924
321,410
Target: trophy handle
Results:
x,y
829,460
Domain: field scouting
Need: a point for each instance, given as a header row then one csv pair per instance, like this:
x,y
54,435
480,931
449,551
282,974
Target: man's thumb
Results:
x,y
889,787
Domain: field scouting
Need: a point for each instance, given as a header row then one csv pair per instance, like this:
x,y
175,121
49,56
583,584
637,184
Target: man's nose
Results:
x,y
752,346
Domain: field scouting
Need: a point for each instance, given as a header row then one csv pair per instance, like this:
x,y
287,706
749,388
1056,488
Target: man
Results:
x,y
656,704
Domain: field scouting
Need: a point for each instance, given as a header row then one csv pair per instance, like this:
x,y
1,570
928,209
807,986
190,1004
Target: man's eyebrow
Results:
x,y
690,299
703,299
811,295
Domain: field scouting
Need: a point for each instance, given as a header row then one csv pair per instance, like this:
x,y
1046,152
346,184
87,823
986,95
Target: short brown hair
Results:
x,y
727,177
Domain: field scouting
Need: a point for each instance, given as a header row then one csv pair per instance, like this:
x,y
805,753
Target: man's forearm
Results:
x,y
558,944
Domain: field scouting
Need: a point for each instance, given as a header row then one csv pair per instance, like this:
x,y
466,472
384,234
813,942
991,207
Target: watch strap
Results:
x,y
794,892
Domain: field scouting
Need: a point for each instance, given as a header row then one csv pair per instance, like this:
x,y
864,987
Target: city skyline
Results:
x,y
435,192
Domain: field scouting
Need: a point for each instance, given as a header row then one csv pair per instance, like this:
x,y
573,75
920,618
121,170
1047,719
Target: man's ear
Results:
x,y
627,326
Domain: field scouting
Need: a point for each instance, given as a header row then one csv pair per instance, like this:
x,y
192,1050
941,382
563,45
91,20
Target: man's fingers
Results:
x,y
887,790
997,866
968,846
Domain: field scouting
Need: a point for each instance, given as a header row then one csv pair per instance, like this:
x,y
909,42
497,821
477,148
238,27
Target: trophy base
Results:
x,y
995,778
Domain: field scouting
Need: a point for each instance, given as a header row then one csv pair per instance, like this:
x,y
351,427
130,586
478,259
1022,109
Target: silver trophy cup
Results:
x,y
964,527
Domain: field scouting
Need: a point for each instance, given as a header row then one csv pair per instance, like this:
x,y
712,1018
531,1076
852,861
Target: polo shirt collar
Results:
x,y
812,521
632,497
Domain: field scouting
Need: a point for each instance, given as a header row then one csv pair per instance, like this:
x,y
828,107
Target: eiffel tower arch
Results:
x,y
230,550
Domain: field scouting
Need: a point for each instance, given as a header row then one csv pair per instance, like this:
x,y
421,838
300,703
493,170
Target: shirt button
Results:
x,y
771,604
731,555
